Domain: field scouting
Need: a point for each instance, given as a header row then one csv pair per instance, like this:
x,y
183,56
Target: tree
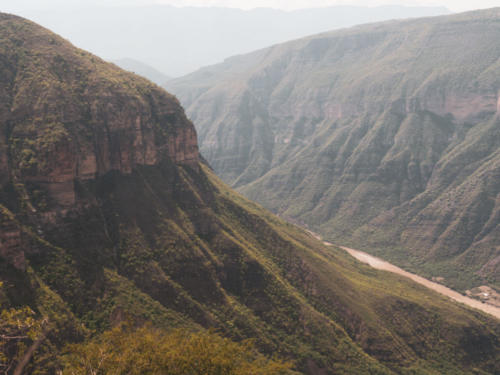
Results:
x,y
21,334
148,351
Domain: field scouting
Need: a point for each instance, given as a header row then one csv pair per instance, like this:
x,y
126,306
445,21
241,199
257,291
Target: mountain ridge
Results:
x,y
211,33
354,133
138,67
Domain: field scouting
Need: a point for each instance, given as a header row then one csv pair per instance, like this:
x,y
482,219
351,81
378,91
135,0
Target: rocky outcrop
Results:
x,y
68,117
74,117
117,144
12,246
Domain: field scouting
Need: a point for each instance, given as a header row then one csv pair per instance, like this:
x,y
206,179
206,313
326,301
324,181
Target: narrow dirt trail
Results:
x,y
381,264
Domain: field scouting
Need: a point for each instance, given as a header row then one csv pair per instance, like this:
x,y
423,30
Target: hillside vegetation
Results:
x,y
383,137
108,216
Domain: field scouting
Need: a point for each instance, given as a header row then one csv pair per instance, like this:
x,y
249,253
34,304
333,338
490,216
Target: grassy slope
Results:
x,y
338,286
218,260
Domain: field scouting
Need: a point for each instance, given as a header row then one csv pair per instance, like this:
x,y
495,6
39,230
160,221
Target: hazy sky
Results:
x,y
453,5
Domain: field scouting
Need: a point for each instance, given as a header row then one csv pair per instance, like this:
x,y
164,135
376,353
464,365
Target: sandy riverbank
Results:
x,y
381,264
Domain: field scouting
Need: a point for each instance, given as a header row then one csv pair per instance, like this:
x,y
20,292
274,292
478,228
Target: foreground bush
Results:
x,y
149,351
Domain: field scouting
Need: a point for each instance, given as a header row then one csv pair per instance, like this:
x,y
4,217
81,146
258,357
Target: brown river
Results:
x,y
386,266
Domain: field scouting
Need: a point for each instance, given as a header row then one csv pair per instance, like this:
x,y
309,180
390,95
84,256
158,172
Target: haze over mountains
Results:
x,y
143,70
383,137
177,41
108,214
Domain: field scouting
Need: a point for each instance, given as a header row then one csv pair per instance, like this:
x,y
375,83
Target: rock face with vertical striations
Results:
x,y
383,136
70,116
108,214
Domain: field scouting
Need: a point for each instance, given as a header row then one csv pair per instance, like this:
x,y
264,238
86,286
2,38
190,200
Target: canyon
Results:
x,y
383,137
110,217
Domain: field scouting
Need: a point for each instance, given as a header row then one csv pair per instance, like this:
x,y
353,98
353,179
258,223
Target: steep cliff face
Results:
x,y
382,136
68,117
108,214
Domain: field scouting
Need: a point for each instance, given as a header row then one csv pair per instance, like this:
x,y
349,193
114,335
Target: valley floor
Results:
x,y
386,266
381,264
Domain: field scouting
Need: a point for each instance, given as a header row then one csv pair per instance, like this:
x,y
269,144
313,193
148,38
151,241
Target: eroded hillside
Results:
x,y
383,137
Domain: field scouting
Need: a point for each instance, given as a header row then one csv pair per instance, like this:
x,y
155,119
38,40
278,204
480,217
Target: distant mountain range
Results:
x,y
142,69
384,136
177,41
